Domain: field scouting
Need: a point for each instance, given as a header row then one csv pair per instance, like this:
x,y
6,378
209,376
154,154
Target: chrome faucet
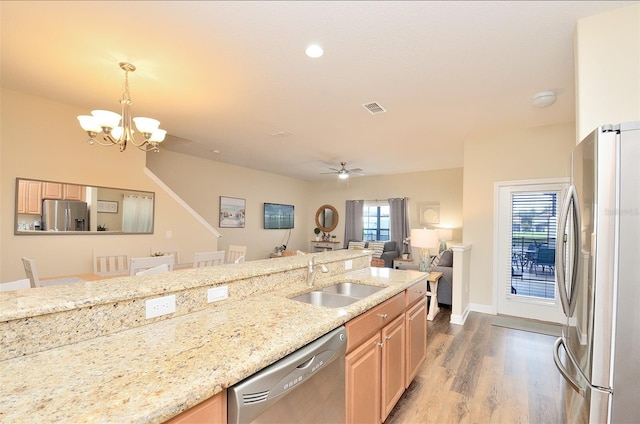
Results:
x,y
312,271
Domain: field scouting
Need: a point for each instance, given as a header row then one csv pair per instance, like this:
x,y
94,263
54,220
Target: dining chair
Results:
x,y
239,260
140,264
155,270
25,283
203,259
32,273
166,251
110,262
235,252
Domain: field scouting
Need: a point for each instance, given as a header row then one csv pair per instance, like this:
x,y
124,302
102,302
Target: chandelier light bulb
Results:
x,y
117,130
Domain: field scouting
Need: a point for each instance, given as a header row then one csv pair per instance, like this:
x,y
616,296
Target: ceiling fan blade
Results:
x,y
328,172
356,170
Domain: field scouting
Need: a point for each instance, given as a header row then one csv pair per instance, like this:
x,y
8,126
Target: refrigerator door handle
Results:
x,y
556,358
568,300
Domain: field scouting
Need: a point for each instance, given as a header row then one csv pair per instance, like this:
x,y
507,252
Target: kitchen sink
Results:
x,y
321,298
352,289
338,295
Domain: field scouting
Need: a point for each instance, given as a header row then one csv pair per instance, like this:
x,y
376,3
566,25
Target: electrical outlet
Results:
x,y
160,306
348,264
215,294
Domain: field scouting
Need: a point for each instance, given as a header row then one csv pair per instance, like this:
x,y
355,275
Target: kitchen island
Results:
x,y
155,370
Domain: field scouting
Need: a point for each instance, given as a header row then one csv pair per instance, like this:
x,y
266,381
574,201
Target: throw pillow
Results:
x,y
446,259
436,260
377,247
353,244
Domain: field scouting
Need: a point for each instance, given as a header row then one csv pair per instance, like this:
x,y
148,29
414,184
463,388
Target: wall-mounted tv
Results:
x,y
278,216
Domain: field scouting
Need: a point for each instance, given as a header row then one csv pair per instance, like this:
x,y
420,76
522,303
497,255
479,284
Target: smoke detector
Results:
x,y
544,99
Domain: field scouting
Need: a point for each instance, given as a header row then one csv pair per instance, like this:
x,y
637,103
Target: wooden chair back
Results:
x,y
203,259
31,272
140,264
25,283
235,252
155,270
166,251
110,262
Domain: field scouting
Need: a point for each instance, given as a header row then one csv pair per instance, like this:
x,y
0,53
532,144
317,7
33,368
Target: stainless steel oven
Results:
x,y
307,386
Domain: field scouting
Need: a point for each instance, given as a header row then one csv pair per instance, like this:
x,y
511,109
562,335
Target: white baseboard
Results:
x,y
459,319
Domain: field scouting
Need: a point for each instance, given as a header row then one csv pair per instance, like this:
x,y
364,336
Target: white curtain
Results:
x,y
137,213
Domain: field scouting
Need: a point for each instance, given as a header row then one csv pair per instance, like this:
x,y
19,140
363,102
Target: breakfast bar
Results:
x,y
85,353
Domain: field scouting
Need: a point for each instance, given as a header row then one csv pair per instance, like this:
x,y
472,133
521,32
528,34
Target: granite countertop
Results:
x,y
151,373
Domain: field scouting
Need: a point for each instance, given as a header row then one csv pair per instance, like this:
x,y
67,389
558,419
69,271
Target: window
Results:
x,y
375,222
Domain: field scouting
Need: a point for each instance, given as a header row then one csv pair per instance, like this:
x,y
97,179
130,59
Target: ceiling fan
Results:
x,y
343,173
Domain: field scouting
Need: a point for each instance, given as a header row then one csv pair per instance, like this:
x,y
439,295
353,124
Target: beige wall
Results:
x,y
201,182
607,50
533,153
41,139
443,186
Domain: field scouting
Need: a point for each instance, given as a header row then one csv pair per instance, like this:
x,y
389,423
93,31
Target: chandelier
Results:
x,y
104,121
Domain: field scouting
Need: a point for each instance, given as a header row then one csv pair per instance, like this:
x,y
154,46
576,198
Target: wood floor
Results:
x,y
479,373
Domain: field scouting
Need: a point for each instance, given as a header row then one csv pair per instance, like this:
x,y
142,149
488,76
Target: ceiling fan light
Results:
x,y
343,175
89,123
314,51
146,125
106,119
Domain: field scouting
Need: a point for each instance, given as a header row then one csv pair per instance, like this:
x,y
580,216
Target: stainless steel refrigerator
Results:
x,y
598,271
64,215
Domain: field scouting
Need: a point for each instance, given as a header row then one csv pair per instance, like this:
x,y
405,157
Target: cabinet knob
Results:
x,y
381,345
411,319
388,337
384,316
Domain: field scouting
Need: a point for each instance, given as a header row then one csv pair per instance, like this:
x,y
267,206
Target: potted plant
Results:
x,y
317,231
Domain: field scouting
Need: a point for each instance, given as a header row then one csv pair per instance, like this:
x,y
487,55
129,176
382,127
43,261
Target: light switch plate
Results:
x,y
215,294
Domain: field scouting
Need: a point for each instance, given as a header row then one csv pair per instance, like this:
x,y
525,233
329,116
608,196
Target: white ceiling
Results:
x,y
227,75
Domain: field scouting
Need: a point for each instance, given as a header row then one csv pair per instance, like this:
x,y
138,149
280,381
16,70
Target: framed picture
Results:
x,y
429,213
107,206
232,212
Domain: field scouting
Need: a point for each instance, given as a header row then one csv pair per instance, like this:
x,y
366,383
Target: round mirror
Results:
x,y
327,218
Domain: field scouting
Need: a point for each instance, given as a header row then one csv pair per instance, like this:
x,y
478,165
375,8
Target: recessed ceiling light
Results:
x,y
314,51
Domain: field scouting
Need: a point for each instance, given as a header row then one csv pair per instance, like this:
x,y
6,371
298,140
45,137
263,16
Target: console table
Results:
x,y
432,279
324,246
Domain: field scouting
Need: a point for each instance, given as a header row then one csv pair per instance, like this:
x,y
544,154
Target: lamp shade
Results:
x,y
424,238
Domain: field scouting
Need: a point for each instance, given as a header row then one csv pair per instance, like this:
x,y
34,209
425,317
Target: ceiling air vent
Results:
x,y
374,108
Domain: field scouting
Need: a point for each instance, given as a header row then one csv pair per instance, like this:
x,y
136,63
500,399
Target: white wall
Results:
x,y
607,50
41,139
443,186
532,153
201,182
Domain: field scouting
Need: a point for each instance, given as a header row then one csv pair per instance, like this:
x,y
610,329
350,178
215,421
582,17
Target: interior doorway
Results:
x,y
524,276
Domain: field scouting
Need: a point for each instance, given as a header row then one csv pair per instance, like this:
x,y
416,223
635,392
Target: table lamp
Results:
x,y
445,235
425,240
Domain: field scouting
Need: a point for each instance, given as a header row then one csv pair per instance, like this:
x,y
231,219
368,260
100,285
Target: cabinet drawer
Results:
x,y
371,321
416,292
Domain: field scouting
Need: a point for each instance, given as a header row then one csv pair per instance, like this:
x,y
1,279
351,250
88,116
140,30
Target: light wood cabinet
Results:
x,y
362,370
52,191
29,197
393,360
416,326
212,410
59,191
386,346
375,342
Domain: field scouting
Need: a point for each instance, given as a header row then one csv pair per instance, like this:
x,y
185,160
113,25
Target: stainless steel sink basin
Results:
x,y
330,300
352,289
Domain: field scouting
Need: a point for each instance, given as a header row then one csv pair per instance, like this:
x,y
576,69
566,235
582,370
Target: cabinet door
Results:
x,y
52,191
73,192
29,197
393,364
212,410
362,391
416,323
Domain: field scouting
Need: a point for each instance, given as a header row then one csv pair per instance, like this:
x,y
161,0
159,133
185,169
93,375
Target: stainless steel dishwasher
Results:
x,y
306,386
